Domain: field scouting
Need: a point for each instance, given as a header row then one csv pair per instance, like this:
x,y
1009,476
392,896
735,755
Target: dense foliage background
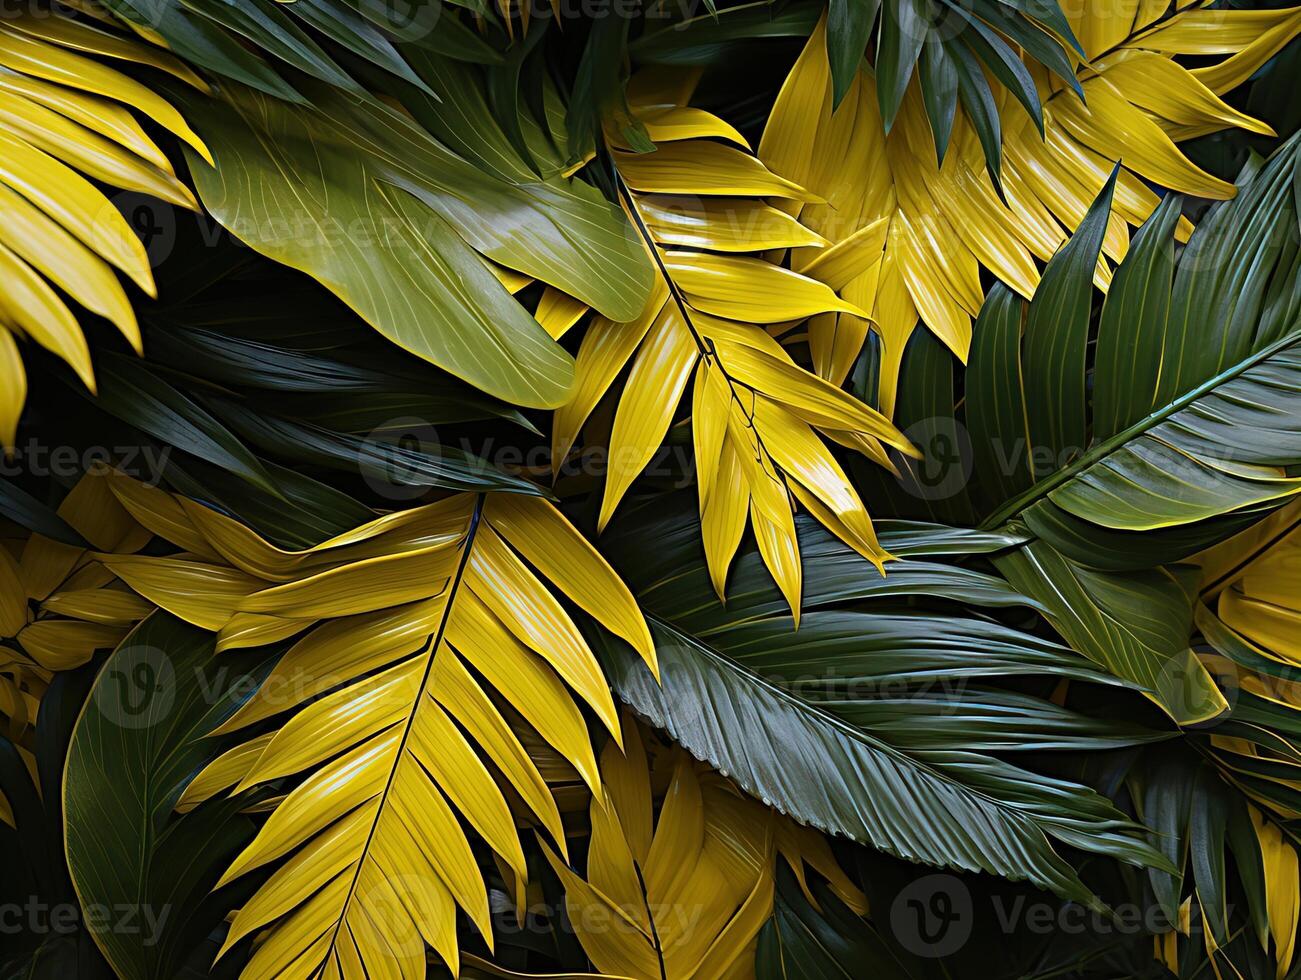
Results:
x,y
638,489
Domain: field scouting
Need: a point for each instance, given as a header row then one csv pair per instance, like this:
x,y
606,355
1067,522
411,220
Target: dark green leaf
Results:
x,y
137,396
804,942
1057,338
849,24
138,741
903,31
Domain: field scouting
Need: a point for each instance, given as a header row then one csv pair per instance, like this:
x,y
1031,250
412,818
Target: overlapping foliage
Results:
x,y
477,501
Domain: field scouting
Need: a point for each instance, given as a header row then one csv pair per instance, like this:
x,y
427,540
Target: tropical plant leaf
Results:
x,y
1165,458
155,698
407,628
25,510
820,936
939,222
397,226
945,806
758,418
140,398
254,41
646,870
64,122
707,38
1251,606
58,606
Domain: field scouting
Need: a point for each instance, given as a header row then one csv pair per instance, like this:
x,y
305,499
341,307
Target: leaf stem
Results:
x,y
1109,446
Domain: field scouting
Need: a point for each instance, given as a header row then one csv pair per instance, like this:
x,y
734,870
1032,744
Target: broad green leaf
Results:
x,y
1137,625
138,740
363,199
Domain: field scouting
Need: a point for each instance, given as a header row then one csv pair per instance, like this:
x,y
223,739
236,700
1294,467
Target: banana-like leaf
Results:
x,y
409,628
138,740
744,692
364,199
683,892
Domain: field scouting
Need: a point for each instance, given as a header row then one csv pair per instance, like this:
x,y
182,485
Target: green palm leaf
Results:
x,y
1186,437
775,708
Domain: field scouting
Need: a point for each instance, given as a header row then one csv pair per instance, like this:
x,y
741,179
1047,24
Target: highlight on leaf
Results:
x,y
934,224
419,637
760,422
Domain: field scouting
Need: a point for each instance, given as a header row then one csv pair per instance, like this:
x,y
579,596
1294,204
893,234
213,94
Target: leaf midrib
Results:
x,y
435,641
840,725
1044,487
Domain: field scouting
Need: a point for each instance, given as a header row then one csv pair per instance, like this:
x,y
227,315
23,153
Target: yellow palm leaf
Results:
x,y
1253,583
79,605
680,891
58,605
65,117
945,221
759,419
410,632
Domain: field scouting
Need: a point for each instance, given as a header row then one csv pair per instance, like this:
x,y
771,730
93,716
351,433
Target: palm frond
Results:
x,y
758,418
942,222
408,628
821,743
66,128
683,892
